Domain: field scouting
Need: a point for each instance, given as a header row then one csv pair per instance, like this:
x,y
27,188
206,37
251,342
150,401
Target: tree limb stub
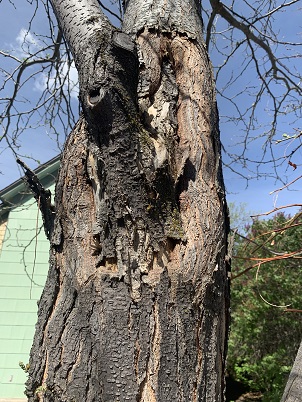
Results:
x,y
42,196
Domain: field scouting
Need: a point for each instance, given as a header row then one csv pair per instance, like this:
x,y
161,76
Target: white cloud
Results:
x,y
27,38
69,74
29,44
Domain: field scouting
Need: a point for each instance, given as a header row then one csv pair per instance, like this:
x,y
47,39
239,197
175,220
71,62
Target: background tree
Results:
x,y
266,304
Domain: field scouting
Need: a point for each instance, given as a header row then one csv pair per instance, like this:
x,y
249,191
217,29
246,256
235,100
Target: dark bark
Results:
x,y
42,196
135,306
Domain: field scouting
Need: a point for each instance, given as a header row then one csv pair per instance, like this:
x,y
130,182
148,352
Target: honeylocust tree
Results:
x,y
135,307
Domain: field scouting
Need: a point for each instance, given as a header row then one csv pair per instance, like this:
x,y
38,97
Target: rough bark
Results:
x,y
135,307
293,389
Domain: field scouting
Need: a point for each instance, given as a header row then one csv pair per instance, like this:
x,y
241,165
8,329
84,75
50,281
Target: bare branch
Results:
x,y
110,11
222,10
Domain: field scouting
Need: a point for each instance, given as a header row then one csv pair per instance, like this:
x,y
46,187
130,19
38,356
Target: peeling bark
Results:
x,y
136,302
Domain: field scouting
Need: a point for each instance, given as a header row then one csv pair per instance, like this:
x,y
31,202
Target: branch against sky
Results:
x,y
264,86
257,59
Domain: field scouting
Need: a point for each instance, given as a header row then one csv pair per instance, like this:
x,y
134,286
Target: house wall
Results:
x,y
23,270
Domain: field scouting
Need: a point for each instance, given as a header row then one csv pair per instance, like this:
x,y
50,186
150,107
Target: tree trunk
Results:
x,y
136,303
293,389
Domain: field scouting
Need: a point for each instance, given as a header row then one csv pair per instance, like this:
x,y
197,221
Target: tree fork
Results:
x,y
135,307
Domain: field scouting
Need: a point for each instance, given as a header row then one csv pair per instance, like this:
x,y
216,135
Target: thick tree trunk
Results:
x,y
135,306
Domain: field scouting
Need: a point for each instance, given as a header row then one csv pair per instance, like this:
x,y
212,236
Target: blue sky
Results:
x,y
37,143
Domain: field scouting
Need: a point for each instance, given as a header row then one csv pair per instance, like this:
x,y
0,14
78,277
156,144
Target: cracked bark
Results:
x,y
135,307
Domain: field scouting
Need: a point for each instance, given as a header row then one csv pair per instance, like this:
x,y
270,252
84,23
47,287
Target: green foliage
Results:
x,y
239,215
264,339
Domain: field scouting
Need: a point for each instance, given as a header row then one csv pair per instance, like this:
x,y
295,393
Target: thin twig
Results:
x,y
277,209
286,185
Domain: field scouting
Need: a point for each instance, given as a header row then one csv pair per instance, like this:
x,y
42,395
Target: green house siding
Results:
x,y
23,270
24,252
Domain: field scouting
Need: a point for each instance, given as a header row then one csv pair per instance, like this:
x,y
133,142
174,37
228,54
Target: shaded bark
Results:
x,y
135,307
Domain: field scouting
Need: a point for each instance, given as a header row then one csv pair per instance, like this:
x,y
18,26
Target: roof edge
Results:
x,y
45,170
